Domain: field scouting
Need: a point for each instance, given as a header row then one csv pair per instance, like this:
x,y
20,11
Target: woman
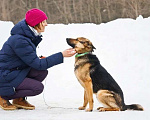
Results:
x,y
21,70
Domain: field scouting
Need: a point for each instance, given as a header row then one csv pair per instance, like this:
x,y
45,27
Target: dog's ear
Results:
x,y
93,48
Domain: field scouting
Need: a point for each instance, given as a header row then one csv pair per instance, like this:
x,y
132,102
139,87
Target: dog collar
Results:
x,y
82,54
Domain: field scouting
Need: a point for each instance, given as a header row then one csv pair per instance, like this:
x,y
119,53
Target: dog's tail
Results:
x,y
134,107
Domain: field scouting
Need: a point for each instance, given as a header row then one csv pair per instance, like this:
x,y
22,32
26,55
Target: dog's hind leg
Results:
x,y
108,100
85,101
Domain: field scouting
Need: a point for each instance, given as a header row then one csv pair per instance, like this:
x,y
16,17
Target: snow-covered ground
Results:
x,y
123,48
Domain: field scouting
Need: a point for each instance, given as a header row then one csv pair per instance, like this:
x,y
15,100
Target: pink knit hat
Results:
x,y
35,16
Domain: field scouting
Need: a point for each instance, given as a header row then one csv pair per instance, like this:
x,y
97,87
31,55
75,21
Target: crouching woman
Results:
x,y
21,70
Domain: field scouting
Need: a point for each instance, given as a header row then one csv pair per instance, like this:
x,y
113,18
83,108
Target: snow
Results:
x,y
122,47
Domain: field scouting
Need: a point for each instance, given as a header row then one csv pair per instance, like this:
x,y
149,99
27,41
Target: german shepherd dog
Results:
x,y
95,79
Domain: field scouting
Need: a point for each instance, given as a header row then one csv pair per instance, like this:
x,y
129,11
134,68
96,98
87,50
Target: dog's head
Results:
x,y
81,44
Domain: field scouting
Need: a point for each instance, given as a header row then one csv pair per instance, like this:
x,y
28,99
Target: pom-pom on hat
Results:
x,y
35,16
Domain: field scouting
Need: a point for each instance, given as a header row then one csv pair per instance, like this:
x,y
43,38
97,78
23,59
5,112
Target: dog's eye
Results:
x,y
82,42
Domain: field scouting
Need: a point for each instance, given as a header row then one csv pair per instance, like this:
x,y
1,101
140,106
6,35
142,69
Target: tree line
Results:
x,y
75,11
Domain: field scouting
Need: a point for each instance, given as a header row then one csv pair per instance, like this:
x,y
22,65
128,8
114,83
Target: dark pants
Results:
x,y
31,85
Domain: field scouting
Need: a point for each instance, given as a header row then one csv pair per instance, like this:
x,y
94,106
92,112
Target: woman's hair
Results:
x,y
38,26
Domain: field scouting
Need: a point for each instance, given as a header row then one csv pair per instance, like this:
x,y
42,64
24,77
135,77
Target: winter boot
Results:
x,y
22,103
6,105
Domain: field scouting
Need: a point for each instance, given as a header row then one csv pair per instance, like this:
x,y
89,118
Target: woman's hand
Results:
x,y
69,52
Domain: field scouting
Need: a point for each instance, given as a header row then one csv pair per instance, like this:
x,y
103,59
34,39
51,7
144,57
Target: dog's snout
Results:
x,y
67,39
70,42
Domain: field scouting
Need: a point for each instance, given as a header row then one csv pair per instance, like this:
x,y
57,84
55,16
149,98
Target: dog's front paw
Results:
x,y
89,110
81,108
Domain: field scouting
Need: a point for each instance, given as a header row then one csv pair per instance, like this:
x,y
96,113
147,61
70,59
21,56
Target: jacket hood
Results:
x,y
22,28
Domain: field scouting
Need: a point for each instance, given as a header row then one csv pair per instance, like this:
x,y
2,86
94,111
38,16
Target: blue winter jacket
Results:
x,y
18,56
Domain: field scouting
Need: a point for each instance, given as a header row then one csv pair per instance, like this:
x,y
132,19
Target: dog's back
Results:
x,y
101,79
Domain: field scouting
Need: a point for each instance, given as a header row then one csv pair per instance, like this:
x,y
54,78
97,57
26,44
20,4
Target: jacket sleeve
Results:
x,y
27,53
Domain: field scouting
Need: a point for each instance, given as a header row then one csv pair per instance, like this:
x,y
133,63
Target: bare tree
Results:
x,y
4,11
64,15
81,11
74,9
99,12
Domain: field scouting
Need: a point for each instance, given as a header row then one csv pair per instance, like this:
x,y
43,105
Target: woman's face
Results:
x,y
41,27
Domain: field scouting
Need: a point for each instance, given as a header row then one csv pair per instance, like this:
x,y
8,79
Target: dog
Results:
x,y
94,78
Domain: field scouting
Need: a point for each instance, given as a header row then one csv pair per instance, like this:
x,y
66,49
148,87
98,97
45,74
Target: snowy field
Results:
x,y
123,48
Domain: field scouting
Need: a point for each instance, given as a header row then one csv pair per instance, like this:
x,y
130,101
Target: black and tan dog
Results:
x,y
95,79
